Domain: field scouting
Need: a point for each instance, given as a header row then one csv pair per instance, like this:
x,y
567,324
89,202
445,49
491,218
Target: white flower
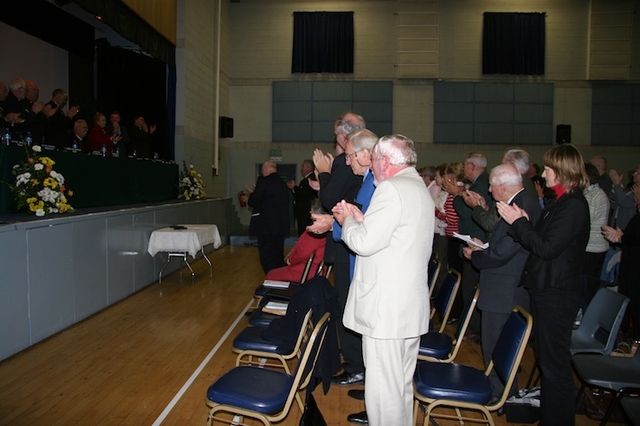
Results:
x,y
23,178
36,148
48,196
38,166
39,212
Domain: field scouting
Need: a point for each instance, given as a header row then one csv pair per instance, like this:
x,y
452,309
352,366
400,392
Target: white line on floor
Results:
x,y
198,370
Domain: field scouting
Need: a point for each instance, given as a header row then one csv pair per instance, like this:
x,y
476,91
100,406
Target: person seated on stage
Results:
x,y
79,139
98,137
57,123
307,244
141,138
114,128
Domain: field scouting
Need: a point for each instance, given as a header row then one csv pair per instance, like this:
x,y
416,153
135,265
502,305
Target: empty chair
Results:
x,y
617,374
438,346
262,393
443,301
598,329
253,348
466,388
600,324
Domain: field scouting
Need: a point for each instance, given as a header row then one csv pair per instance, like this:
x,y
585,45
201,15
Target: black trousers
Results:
x,y
553,312
350,341
271,251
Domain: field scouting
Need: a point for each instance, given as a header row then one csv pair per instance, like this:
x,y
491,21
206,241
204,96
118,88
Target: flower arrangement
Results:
x,y
38,187
191,184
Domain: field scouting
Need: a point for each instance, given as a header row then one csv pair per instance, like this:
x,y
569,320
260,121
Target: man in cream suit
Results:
x,y
388,301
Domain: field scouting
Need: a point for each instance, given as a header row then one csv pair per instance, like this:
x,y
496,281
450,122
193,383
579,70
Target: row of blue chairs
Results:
x,y
267,394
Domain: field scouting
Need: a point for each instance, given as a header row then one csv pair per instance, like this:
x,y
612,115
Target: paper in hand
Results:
x,y
467,239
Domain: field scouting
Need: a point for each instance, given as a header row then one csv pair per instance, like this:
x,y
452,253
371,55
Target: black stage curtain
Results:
x,y
47,22
134,84
513,43
322,42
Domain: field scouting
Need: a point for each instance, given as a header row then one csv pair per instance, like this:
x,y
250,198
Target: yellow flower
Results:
x,y
51,182
35,182
47,161
34,207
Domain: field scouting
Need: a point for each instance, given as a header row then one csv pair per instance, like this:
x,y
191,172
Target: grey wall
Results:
x,y
58,271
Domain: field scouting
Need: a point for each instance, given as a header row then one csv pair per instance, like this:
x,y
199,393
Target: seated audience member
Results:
x,y
307,244
141,138
79,137
623,205
98,137
57,124
113,128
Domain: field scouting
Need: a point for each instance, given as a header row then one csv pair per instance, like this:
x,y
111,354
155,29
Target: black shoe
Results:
x,y
452,320
358,418
346,379
356,394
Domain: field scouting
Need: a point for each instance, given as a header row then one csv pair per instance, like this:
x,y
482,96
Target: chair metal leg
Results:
x,y
534,376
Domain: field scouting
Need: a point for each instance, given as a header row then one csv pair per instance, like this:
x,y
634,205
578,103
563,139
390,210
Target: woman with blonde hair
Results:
x,y
552,275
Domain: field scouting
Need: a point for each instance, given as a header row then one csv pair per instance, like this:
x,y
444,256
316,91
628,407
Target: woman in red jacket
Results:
x,y
552,275
308,244
98,137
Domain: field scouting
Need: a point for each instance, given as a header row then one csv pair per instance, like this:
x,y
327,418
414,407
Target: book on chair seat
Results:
x,y
276,284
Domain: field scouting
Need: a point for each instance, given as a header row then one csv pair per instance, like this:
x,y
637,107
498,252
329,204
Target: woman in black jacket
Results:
x,y
552,275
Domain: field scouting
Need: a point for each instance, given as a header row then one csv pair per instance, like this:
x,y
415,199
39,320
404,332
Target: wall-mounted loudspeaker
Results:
x,y
226,127
563,133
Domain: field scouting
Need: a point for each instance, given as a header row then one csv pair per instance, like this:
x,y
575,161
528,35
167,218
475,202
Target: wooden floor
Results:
x,y
150,358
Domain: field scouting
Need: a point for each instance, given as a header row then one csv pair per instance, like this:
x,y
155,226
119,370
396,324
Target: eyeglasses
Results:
x,y
353,154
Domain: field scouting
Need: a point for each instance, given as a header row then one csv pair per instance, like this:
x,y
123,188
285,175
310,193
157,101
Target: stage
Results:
x,y
58,270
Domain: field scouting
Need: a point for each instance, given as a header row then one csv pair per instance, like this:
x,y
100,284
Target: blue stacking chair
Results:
x,y
262,393
440,347
443,302
261,290
253,349
434,271
259,318
466,388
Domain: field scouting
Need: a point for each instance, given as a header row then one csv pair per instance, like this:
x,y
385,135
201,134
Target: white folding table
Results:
x,y
183,241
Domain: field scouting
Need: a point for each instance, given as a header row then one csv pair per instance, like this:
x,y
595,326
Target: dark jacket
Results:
x,y
340,184
270,202
557,243
317,294
501,264
466,224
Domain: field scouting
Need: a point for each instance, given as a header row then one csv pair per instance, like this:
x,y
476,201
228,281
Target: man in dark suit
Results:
x,y
270,219
501,264
338,182
302,196
475,169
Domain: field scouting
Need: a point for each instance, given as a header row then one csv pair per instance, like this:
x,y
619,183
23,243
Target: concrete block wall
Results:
x,y
258,38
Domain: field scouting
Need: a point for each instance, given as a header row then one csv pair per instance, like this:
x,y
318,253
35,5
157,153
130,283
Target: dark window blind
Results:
x,y
513,43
